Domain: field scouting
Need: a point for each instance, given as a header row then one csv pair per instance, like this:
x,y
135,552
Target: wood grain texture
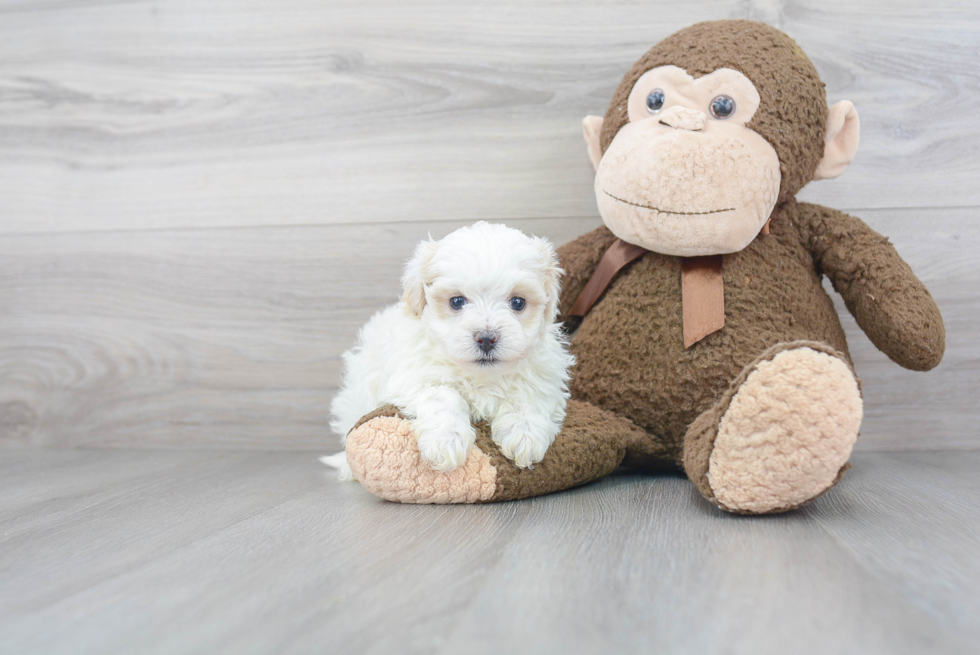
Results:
x,y
192,337
146,114
289,154
205,552
937,547
232,337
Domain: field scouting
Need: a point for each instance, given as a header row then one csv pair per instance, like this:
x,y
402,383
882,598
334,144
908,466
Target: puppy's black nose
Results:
x,y
487,340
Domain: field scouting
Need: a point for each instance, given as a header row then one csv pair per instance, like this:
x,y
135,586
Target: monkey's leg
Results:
x,y
781,435
384,457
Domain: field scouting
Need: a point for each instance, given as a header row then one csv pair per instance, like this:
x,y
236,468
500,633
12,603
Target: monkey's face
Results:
x,y
686,176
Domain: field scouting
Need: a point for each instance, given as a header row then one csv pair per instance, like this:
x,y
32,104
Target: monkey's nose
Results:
x,y
682,118
487,340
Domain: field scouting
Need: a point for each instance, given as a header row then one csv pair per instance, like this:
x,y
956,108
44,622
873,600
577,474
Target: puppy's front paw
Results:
x,y
522,439
444,448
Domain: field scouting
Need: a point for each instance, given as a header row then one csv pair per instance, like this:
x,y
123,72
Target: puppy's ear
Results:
x,y
413,280
551,275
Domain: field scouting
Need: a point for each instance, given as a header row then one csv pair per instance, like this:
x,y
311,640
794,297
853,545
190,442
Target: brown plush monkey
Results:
x,y
704,340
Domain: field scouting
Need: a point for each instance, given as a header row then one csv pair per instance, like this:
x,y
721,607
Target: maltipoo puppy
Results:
x,y
474,337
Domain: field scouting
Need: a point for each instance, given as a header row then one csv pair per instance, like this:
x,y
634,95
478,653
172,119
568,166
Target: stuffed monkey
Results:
x,y
704,340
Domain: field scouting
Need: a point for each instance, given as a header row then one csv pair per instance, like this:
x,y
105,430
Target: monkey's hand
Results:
x,y
579,259
888,301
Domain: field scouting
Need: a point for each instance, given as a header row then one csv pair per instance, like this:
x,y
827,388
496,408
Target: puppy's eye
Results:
x,y
722,107
656,100
517,304
457,302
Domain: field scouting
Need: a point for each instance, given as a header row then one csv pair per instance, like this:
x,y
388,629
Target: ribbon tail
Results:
x,y
702,297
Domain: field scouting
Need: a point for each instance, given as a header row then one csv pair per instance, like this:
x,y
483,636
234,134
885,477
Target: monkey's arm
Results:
x,y
579,259
890,304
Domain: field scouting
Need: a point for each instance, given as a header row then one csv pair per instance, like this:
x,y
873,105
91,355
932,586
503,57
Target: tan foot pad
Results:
x,y
787,433
384,457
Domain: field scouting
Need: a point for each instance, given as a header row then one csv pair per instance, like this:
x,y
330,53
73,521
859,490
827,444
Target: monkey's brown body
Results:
x,y
712,132
773,294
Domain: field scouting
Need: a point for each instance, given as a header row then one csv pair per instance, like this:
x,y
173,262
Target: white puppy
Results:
x,y
474,337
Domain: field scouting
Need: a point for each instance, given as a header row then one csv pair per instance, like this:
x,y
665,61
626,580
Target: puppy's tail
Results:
x,y
339,462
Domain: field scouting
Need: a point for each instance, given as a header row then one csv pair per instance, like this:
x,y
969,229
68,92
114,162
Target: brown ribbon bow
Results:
x,y
702,288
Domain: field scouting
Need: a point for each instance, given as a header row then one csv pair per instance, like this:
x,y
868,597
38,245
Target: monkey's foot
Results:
x,y
384,456
781,435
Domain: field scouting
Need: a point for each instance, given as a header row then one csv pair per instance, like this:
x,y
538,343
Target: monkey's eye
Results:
x,y
517,304
722,107
457,302
655,101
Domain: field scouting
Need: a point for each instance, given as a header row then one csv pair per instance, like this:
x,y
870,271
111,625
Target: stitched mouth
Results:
x,y
667,211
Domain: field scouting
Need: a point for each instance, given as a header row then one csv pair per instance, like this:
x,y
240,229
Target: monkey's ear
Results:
x,y
413,280
841,142
592,128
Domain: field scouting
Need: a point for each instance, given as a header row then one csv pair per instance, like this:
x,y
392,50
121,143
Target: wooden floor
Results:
x,y
141,551
201,202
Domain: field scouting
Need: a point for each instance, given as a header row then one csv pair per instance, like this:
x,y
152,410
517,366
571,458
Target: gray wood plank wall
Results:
x,y
201,202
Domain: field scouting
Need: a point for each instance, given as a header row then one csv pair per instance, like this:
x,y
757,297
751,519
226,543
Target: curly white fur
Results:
x,y
422,355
